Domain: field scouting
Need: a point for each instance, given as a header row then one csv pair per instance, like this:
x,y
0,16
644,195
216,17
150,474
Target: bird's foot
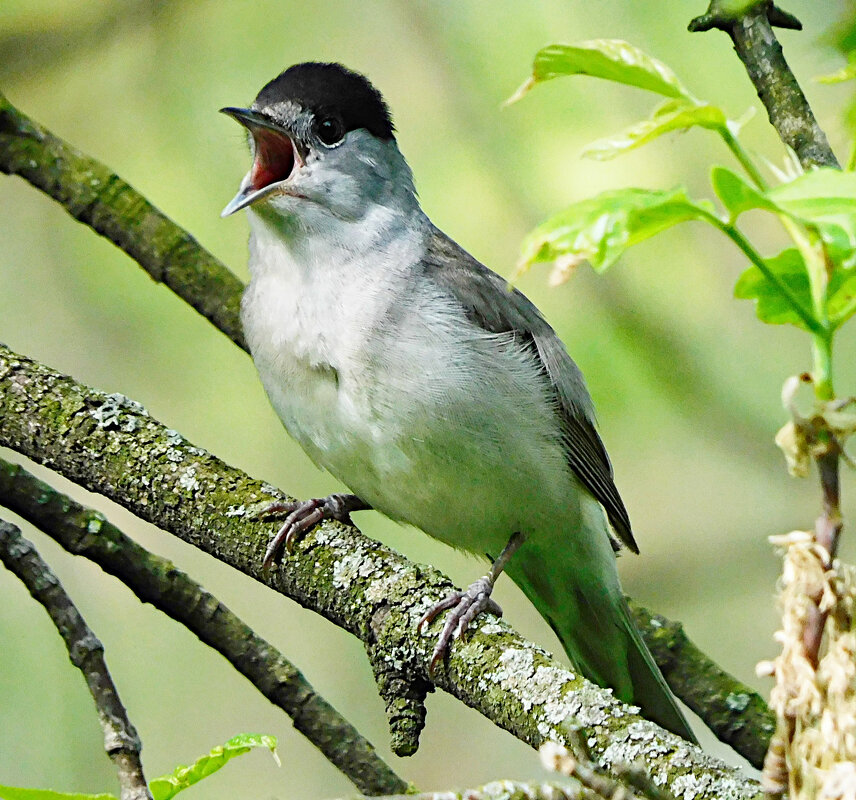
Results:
x,y
463,608
303,515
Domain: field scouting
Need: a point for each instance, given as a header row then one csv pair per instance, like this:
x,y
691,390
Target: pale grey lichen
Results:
x,y
351,566
737,701
236,511
690,785
382,588
109,413
540,689
491,627
187,479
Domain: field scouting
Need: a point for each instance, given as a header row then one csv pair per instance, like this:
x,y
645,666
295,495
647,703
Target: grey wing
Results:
x,y
487,300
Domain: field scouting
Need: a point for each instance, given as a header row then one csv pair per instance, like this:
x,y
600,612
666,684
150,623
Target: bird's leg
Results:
x,y
464,607
303,515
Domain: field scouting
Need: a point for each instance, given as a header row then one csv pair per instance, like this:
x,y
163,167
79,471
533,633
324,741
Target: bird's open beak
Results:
x,y
275,158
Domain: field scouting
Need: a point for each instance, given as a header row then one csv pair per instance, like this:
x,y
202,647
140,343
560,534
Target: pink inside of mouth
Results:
x,y
275,158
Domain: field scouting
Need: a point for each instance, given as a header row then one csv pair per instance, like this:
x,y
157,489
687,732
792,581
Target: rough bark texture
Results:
x,y
86,653
751,31
85,532
510,790
109,444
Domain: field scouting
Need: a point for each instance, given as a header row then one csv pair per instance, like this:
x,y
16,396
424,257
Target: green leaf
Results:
x,y
168,786
17,793
820,193
736,194
671,116
601,228
771,307
823,200
610,59
790,268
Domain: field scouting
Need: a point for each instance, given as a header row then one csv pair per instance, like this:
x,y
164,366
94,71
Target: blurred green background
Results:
x,y
685,380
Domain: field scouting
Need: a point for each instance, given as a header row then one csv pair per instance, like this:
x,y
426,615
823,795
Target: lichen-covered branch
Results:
x,y
92,194
751,30
109,444
735,713
508,790
154,579
86,653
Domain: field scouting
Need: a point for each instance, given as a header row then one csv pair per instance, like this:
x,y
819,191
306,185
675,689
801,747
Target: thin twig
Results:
x,y
86,653
758,48
154,579
110,445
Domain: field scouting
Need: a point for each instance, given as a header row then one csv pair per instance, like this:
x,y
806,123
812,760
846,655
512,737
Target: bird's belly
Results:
x,y
466,450
467,480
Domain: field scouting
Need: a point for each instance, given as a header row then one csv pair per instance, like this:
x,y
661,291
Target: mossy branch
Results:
x,y
110,445
86,653
154,579
94,195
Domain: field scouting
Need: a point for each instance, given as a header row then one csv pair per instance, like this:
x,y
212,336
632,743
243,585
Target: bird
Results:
x,y
438,395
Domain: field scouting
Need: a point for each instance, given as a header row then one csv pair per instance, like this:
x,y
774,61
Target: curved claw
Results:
x,y
303,515
463,608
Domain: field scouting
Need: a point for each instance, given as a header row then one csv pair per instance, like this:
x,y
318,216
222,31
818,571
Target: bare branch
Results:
x,y
110,445
86,653
750,28
85,532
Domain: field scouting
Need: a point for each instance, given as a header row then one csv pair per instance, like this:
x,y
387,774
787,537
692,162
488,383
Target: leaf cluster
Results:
x,y
811,284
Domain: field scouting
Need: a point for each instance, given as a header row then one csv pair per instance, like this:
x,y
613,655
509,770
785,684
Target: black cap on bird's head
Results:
x,y
330,89
306,110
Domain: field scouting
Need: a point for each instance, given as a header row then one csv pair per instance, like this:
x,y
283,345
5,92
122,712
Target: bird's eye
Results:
x,y
330,130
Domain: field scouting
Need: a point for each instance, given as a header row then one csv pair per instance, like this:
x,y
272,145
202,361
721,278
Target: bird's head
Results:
x,y
323,144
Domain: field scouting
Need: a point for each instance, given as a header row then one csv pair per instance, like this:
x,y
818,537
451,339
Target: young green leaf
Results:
x,y
168,786
771,307
737,194
17,793
601,228
611,59
821,193
671,116
823,199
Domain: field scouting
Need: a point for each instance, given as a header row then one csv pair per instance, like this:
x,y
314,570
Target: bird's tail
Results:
x,y
586,609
